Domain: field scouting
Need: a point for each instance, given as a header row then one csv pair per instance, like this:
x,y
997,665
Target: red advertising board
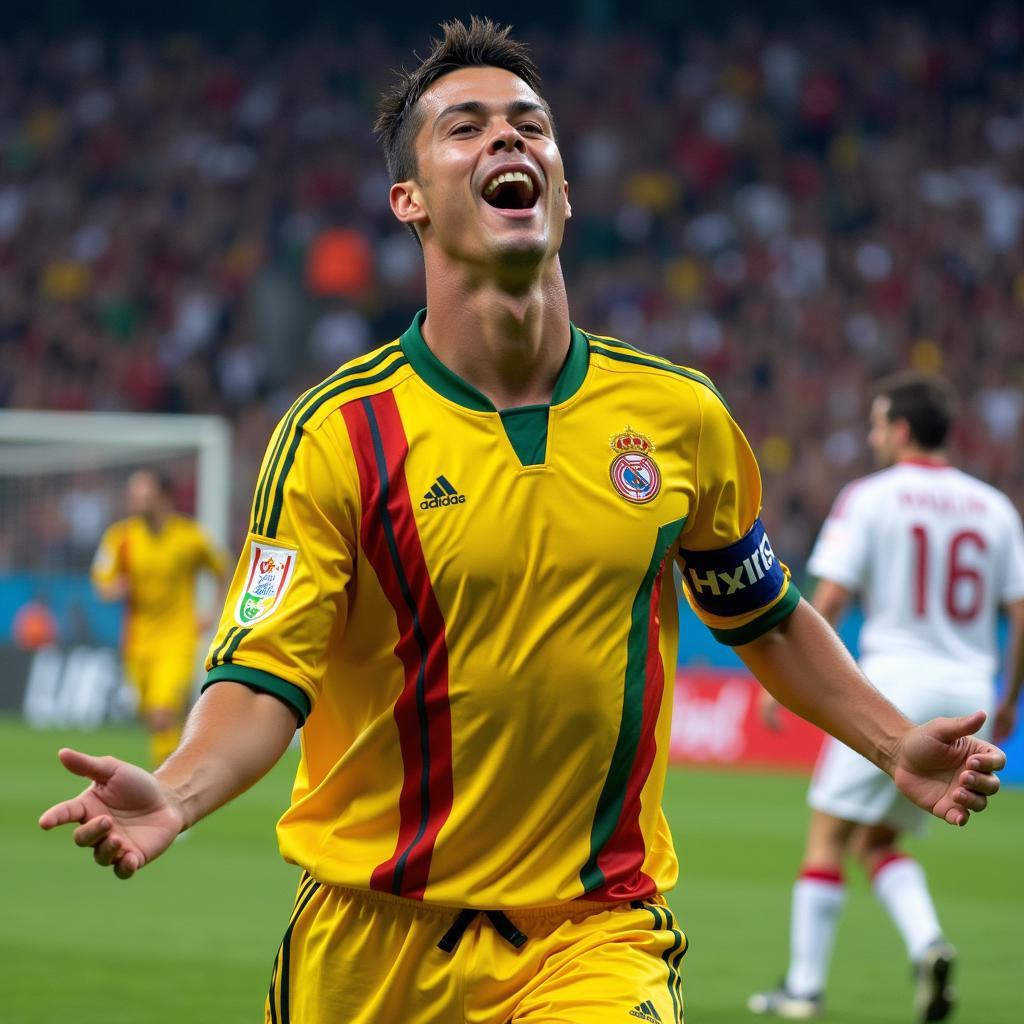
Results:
x,y
716,721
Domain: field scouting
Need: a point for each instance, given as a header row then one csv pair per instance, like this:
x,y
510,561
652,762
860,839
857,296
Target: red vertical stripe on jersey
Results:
x,y
257,555
422,713
621,861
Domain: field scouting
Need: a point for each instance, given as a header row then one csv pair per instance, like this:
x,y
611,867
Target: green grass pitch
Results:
x,y
192,938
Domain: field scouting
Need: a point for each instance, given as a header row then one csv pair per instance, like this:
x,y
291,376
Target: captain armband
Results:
x,y
735,580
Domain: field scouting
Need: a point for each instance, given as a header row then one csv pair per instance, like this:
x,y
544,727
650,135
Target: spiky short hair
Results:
x,y
482,43
927,402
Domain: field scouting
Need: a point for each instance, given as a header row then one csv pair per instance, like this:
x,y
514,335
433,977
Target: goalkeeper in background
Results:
x,y
151,560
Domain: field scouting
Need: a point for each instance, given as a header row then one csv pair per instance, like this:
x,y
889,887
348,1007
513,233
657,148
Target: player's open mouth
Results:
x,y
511,190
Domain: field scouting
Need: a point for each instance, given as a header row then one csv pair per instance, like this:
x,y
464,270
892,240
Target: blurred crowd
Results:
x,y
203,229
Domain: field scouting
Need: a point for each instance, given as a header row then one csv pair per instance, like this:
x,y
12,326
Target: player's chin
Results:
x,y
519,246
524,238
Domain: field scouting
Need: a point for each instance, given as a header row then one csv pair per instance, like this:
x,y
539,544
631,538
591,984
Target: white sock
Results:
x,y
902,889
818,899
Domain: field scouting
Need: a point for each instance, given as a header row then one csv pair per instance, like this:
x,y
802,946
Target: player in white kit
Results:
x,y
933,554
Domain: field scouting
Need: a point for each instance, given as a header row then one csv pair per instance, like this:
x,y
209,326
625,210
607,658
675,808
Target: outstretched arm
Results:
x,y
109,579
129,816
938,765
830,600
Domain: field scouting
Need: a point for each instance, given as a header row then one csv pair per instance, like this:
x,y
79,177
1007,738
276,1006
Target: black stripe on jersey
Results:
x,y
259,505
671,956
263,490
270,525
214,660
283,980
615,344
233,646
305,884
449,490
642,359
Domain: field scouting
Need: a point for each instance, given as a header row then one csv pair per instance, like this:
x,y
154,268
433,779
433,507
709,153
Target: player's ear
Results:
x,y
903,433
407,203
568,208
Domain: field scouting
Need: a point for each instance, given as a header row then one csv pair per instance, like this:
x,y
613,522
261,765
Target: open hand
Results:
x,y
946,770
125,815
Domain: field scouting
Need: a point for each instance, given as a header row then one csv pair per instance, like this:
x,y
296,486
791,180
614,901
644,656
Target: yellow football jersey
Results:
x,y
473,612
161,569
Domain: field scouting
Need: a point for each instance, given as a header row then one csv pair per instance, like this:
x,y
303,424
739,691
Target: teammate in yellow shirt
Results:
x,y
459,580
150,561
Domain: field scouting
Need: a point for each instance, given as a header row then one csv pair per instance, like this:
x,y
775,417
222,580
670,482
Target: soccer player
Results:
x,y
150,561
458,579
933,554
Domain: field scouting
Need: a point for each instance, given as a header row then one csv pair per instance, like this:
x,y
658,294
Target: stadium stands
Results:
x,y
793,212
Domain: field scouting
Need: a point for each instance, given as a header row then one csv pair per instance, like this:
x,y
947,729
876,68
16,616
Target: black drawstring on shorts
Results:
x,y
502,925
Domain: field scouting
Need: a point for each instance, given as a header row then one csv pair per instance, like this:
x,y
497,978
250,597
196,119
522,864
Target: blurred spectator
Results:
x,y
86,507
198,229
338,335
339,262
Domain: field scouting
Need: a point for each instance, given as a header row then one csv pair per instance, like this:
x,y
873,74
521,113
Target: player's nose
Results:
x,y
505,137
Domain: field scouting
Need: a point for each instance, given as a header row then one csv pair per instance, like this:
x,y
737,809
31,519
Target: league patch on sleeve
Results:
x,y
270,573
735,580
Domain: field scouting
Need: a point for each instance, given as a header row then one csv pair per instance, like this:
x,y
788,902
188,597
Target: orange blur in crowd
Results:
x,y
34,626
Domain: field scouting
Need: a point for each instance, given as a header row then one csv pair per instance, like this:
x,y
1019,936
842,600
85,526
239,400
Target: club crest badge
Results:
x,y
270,572
635,475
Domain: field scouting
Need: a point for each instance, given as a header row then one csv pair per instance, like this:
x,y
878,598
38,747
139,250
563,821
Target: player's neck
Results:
x,y
509,344
914,456
156,520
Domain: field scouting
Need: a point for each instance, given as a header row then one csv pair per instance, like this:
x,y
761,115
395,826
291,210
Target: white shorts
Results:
x,y
848,786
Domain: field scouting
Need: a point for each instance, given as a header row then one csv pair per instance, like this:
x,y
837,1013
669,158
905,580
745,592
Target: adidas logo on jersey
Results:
x,y
646,1011
441,495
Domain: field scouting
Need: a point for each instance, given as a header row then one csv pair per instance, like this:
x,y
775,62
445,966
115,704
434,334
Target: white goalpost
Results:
x,y
62,482
37,444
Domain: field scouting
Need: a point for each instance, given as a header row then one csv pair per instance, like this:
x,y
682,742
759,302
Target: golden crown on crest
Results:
x,y
631,440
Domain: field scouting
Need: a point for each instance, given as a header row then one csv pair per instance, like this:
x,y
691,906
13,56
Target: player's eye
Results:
x,y
463,129
530,126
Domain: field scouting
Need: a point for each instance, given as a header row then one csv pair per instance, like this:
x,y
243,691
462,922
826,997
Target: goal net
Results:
x,y
62,482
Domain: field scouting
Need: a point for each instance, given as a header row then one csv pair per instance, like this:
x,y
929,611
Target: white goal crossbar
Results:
x,y
34,443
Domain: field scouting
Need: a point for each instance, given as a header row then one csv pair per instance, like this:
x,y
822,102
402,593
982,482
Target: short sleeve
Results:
x,y
841,552
289,592
732,579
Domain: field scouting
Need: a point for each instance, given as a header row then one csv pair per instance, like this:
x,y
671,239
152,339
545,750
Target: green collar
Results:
x,y
455,389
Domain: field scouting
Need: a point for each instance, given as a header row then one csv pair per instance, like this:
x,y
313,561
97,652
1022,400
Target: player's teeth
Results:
x,y
508,176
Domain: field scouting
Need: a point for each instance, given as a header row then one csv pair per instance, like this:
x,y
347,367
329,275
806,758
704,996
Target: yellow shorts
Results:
x,y
163,681
370,958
